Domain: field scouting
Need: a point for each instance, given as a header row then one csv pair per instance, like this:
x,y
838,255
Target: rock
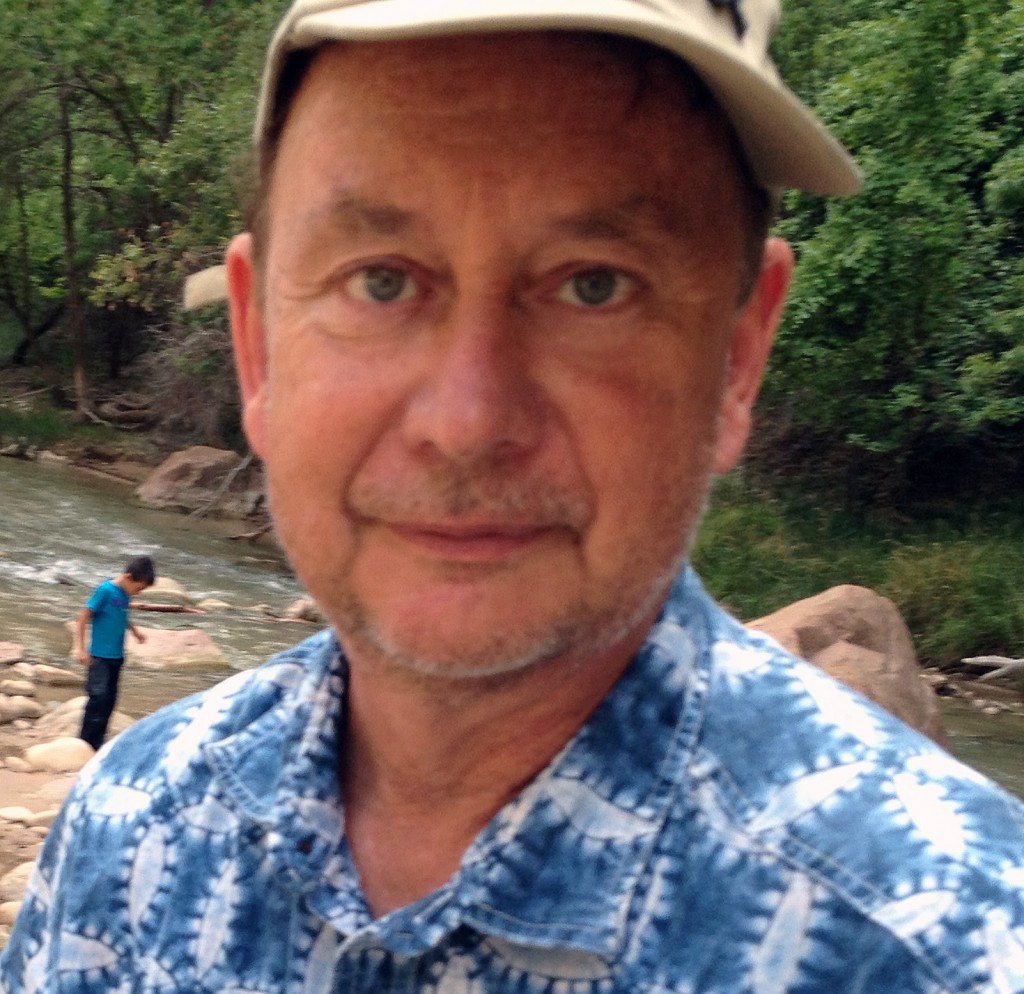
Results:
x,y
11,653
167,591
42,819
305,609
127,410
14,882
12,708
16,813
53,676
65,721
65,755
17,764
50,574
858,637
18,688
20,450
9,911
174,648
212,604
192,480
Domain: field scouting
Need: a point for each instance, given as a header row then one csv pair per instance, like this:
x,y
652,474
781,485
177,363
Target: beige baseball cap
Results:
x,y
725,41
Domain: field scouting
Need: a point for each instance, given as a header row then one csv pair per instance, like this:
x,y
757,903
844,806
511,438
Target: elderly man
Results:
x,y
501,314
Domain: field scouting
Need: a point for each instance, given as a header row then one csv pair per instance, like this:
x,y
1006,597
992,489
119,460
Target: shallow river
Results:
x,y
62,531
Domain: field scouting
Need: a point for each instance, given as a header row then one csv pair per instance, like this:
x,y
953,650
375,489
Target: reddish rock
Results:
x,y
194,479
859,637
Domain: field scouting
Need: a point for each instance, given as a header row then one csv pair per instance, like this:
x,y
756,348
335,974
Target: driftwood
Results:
x,y
251,536
166,608
1001,666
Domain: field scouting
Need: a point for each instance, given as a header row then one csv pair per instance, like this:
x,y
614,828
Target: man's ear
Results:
x,y
752,340
248,338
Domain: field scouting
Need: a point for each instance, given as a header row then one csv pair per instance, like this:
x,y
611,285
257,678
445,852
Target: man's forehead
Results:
x,y
589,141
465,72
536,96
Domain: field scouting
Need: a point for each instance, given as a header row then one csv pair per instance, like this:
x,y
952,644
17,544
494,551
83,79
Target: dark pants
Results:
x,y
101,686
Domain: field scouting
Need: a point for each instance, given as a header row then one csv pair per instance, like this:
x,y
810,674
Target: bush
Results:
x,y
957,577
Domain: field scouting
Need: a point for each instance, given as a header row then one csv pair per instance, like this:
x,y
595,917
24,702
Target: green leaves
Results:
x,y
904,331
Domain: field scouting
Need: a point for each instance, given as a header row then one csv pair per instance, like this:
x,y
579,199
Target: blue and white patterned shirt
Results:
x,y
730,820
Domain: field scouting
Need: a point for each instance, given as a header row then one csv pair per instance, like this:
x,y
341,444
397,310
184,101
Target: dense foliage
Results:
x,y
904,339
124,123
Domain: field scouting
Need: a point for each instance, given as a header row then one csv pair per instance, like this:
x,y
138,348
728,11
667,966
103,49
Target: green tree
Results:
x,y
97,93
903,337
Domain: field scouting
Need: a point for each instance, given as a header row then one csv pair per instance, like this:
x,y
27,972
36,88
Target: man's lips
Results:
x,y
476,542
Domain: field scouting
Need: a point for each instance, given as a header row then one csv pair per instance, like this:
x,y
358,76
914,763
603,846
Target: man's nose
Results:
x,y
477,397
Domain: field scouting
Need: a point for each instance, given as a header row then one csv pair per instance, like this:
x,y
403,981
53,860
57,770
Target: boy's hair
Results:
x,y
141,568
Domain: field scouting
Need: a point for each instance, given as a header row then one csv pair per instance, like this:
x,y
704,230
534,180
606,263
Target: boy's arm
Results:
x,y
80,650
136,632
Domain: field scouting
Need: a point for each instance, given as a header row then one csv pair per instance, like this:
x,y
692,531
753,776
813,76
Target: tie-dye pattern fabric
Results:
x,y
730,821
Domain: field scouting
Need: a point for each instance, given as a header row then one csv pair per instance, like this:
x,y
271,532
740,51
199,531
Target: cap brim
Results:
x,y
785,143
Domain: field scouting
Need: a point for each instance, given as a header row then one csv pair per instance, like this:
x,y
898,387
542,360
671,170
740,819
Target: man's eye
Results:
x,y
597,287
380,285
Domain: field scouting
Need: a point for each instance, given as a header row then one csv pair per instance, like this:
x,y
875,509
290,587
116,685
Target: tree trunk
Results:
x,y
25,305
70,249
34,332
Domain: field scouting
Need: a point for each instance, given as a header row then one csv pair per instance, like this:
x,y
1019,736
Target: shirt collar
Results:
x,y
557,867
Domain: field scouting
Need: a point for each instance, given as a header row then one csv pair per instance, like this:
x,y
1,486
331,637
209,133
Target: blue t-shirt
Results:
x,y
109,607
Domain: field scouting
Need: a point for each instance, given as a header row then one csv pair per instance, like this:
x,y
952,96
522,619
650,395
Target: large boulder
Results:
x,y
169,648
64,755
173,648
65,721
15,708
17,688
14,882
202,478
858,637
167,591
53,676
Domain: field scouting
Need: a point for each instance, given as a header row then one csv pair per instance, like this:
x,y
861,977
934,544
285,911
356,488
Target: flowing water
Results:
x,y
62,531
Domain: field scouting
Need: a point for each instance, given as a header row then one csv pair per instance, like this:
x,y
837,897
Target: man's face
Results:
x,y
499,348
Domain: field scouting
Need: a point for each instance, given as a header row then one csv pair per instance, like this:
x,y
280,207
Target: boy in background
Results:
x,y
107,610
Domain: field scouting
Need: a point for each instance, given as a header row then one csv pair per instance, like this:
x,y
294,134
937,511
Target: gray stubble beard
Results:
x,y
583,631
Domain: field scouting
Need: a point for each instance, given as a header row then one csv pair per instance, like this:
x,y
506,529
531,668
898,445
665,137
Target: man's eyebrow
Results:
x,y
633,217
355,214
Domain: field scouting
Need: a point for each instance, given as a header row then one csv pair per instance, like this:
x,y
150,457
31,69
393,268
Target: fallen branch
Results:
x,y
251,536
167,608
84,412
990,660
1010,667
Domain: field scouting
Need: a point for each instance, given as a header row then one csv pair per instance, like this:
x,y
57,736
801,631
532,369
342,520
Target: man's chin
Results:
x,y
494,649
491,656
